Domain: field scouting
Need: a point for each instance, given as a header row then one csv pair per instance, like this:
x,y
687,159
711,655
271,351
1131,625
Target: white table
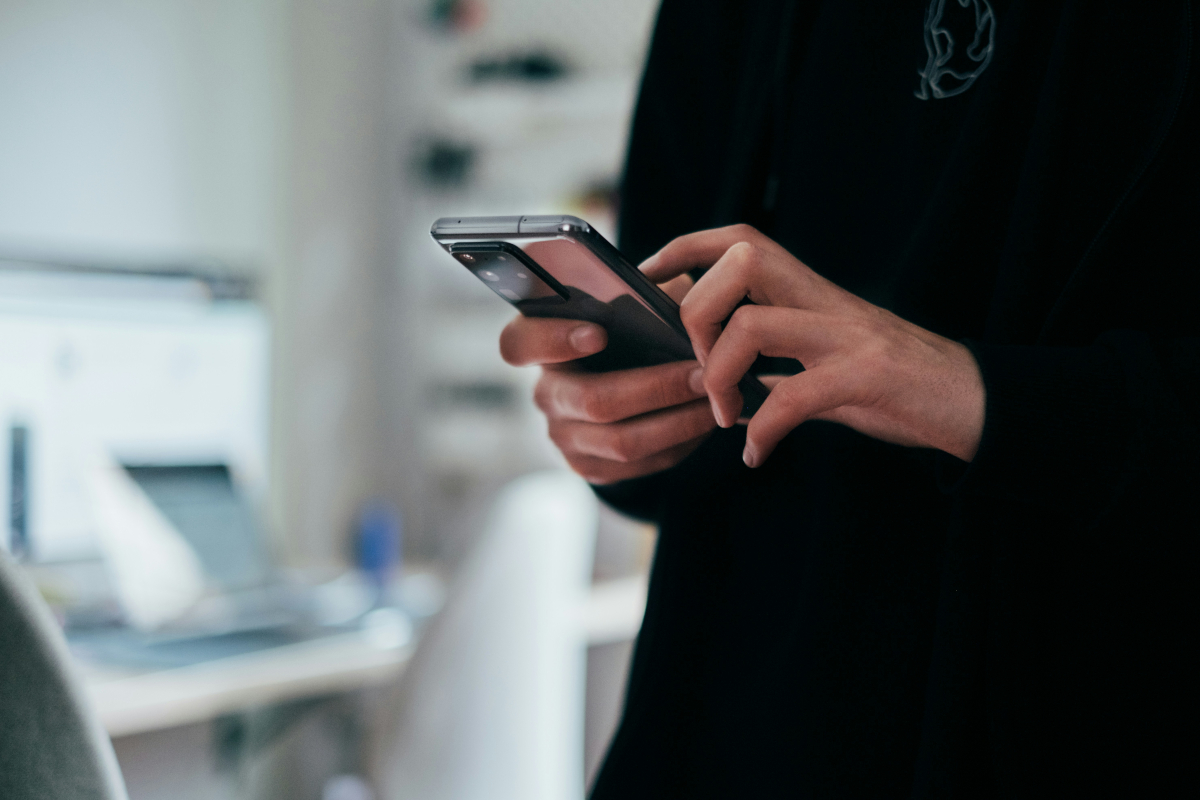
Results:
x,y
129,703
136,702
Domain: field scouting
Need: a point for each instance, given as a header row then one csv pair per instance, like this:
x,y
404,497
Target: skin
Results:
x,y
864,366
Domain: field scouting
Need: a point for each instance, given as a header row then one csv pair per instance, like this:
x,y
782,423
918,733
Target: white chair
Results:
x,y
492,705
51,746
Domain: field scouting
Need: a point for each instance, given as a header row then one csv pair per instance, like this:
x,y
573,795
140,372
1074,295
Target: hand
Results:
x,y
864,366
611,426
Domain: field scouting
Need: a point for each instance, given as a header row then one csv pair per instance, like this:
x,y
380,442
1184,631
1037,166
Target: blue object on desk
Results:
x,y
379,541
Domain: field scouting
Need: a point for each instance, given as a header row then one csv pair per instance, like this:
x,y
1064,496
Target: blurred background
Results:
x,y
302,526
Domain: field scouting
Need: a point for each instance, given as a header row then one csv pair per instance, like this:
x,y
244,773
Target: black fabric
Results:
x,y
856,619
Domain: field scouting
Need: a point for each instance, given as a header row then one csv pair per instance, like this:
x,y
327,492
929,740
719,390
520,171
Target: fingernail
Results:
x,y
586,339
717,414
648,263
750,457
696,380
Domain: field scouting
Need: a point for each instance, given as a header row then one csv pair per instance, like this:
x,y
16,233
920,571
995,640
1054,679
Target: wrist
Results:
x,y
965,404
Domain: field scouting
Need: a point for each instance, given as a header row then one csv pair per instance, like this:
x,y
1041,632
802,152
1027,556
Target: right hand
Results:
x,y
610,426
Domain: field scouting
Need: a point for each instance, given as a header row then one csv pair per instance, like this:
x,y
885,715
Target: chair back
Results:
x,y
492,705
51,745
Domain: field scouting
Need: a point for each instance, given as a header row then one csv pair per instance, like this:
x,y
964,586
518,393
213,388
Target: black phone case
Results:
x,y
636,338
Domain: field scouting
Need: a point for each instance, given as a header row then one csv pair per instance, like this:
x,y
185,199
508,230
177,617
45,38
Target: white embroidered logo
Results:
x,y
944,75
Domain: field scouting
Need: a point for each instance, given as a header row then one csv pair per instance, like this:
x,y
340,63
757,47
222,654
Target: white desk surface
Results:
x,y
129,703
137,702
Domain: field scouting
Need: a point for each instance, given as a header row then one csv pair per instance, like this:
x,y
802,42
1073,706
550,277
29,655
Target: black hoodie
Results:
x,y
857,619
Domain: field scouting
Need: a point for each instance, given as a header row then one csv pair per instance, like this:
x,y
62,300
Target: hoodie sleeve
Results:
x,y
1083,428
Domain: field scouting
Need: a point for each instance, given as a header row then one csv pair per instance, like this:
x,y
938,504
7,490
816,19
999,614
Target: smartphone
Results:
x,y
558,266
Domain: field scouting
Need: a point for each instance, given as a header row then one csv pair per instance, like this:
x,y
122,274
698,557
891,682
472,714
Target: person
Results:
x,y
955,555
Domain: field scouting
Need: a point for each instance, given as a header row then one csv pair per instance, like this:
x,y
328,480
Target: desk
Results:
x,y
136,702
129,703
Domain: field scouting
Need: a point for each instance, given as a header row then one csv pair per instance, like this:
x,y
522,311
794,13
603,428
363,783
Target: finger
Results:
x,y
733,278
797,399
614,396
534,340
635,439
700,249
678,287
601,471
754,330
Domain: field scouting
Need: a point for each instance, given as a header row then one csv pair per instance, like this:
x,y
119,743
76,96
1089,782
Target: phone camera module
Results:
x,y
488,275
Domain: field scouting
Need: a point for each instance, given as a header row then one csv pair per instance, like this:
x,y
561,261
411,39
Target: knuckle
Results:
x,y
746,321
791,393
595,404
744,231
880,326
588,469
554,392
622,444
878,360
558,435
687,311
542,393
664,389
509,347
715,386
746,259
674,245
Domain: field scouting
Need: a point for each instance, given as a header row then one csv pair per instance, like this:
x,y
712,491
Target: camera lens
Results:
x,y
489,275
467,257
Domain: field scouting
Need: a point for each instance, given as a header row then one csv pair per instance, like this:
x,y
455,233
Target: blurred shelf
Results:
x,y
510,114
533,145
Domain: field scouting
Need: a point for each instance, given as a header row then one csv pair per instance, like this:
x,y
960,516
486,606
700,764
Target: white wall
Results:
x,y
327,297
140,128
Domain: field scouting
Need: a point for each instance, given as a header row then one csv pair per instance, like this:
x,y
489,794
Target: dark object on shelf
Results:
x,y
490,396
444,163
18,490
600,198
534,65
458,15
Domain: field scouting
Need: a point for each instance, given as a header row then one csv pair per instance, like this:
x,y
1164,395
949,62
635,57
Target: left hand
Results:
x,y
864,366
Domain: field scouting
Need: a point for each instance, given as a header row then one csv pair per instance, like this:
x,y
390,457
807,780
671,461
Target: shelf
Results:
x,y
513,114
